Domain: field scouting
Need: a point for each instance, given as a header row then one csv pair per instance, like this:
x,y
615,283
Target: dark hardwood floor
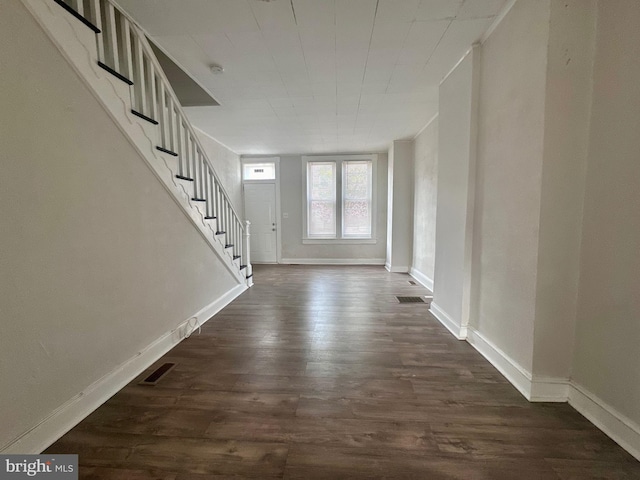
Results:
x,y
318,373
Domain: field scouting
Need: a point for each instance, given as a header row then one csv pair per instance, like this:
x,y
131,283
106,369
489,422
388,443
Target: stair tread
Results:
x,y
141,115
76,14
114,73
165,150
144,117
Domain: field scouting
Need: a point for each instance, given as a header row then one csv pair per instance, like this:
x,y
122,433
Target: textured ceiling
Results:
x,y
315,76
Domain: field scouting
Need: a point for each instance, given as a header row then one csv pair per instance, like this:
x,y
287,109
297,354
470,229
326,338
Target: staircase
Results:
x,y
112,55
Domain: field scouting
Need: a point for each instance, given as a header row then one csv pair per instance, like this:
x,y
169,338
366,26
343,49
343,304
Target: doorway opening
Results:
x,y
261,191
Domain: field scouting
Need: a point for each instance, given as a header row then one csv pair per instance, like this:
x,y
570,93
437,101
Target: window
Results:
x,y
321,188
339,199
259,171
356,199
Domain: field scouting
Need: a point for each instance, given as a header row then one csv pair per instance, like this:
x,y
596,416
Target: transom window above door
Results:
x,y
259,171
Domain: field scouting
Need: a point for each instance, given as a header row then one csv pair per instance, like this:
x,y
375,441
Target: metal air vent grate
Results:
x,y
410,299
158,374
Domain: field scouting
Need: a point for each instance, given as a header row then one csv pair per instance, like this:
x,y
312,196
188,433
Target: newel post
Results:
x,y
246,248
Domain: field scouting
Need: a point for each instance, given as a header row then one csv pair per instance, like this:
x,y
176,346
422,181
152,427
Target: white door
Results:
x,y
260,210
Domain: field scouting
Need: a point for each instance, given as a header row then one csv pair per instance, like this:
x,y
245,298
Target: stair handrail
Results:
x,y
168,88
124,50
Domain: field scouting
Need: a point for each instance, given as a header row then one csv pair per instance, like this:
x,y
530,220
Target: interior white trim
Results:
x,y
276,182
443,317
617,426
339,241
338,161
196,128
549,389
69,414
397,268
442,80
534,388
496,21
621,429
425,126
514,372
422,279
333,261
77,45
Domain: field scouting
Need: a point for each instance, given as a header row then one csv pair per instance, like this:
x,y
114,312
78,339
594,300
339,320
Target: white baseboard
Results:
x,y
515,373
459,332
422,279
618,427
534,388
396,269
333,261
69,414
548,389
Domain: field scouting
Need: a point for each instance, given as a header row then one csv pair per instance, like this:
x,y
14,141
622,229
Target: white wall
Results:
x,y
227,165
509,169
291,178
424,202
566,129
607,349
456,182
97,260
400,207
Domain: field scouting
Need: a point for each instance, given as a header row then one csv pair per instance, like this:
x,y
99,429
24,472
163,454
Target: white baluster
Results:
x,y
207,205
246,246
140,87
203,191
171,125
96,18
210,194
152,93
125,48
237,238
111,36
240,241
79,6
180,150
162,117
184,139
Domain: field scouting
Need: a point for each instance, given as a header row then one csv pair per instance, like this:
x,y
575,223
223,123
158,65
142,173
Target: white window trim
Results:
x,y
339,240
256,160
276,182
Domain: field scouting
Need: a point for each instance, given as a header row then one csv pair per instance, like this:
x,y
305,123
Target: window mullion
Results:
x,y
339,199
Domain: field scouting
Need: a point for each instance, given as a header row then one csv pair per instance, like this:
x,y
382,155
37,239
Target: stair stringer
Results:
x,y
77,44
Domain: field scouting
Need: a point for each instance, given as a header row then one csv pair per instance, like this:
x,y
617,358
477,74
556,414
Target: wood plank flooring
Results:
x,y
318,373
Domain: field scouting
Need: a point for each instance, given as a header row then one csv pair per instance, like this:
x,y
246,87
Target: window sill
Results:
x,y
339,241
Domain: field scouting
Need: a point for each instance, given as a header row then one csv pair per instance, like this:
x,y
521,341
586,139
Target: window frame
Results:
x,y
259,161
339,203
